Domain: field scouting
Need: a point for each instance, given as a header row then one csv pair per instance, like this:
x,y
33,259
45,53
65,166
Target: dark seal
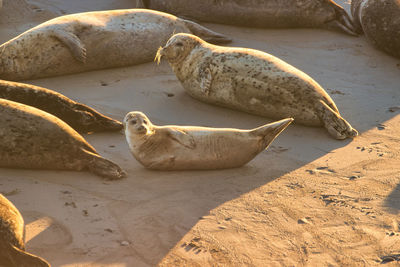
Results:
x,y
380,22
260,13
79,116
12,245
34,139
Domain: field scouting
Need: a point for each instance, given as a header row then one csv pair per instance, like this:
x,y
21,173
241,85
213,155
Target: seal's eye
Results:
x,y
133,122
179,44
144,121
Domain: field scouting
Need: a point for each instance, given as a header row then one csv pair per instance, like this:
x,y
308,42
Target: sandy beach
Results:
x,y
308,200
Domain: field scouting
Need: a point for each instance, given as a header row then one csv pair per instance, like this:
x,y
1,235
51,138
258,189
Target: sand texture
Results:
x,y
308,200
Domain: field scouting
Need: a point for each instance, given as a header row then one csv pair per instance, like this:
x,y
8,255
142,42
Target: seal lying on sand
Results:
x,y
33,139
252,81
187,147
79,116
93,40
380,22
12,244
260,13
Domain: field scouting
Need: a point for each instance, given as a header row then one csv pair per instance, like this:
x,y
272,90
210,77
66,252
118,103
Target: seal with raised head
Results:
x,y
380,22
79,116
252,81
195,148
92,40
12,243
260,13
34,139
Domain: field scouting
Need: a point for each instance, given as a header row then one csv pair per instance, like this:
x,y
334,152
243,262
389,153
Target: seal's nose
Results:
x,y
140,128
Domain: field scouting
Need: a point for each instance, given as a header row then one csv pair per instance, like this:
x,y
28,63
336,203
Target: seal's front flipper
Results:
x,y
21,258
104,168
205,80
182,138
337,127
73,43
206,34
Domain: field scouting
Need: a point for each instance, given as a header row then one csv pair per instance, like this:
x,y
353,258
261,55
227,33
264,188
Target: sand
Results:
x,y
308,200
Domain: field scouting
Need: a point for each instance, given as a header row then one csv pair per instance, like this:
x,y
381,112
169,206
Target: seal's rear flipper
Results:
x,y
342,22
94,121
206,34
20,258
270,131
142,4
104,168
337,127
72,42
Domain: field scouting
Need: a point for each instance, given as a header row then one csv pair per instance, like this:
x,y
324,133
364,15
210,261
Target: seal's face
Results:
x,y
178,47
137,123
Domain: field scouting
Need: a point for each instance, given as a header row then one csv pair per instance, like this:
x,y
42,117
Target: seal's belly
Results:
x,y
271,99
211,152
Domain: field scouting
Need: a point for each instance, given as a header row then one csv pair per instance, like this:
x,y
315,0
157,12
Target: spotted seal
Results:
x,y
260,13
252,81
196,148
380,22
12,244
92,40
34,139
79,116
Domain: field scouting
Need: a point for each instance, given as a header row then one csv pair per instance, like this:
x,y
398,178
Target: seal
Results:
x,y
252,81
34,139
379,20
12,245
195,148
92,40
260,13
79,116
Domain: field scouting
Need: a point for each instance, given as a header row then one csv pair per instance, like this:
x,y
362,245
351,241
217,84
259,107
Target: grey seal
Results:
x,y
12,243
260,13
252,81
77,115
34,139
92,40
379,21
195,148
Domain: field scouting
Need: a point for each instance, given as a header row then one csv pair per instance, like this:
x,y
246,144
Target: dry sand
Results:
x,y
309,200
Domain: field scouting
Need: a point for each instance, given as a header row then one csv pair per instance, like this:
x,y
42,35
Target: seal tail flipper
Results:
x,y
206,34
94,121
73,43
337,127
104,167
20,258
140,4
270,131
342,22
